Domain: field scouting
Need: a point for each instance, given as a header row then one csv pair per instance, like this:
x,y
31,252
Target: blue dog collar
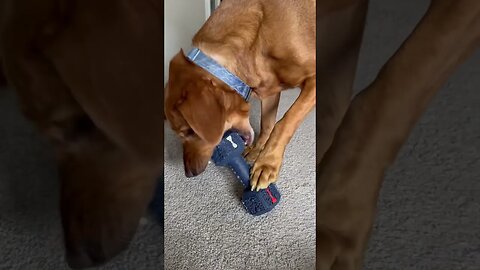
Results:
x,y
210,65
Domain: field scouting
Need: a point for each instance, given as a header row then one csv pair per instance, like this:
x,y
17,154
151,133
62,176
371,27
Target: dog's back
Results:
x,y
280,25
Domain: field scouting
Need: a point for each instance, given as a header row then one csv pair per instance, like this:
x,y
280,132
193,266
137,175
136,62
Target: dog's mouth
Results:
x,y
247,135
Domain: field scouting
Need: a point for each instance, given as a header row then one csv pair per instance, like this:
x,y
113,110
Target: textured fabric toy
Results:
x,y
228,153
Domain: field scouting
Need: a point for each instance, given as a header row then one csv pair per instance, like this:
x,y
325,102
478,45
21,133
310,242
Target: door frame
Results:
x,y
210,6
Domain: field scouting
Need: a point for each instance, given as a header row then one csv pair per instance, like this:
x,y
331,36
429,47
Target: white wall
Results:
x,y
182,20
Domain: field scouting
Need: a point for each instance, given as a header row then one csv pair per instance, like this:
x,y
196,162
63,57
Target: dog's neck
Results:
x,y
240,63
233,44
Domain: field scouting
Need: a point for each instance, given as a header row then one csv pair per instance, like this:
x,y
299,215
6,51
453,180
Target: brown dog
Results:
x,y
380,118
270,45
87,75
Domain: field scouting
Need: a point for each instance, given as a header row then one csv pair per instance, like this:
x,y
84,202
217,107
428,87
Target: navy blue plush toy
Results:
x,y
228,153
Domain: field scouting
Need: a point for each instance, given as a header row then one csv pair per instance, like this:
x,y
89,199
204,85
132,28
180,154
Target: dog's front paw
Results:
x,y
251,153
265,169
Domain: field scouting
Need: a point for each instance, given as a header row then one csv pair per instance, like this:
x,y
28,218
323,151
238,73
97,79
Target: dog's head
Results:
x,y
200,108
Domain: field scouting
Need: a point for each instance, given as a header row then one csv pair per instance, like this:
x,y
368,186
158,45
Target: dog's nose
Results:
x,y
83,258
191,172
195,167
195,161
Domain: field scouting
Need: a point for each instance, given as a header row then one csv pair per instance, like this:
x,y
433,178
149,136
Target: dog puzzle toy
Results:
x,y
228,153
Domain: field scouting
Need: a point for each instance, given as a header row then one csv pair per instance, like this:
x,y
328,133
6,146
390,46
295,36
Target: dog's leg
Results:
x,y
379,121
339,34
267,166
269,116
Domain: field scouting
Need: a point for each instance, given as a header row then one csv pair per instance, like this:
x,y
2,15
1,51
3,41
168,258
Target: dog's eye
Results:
x,y
187,133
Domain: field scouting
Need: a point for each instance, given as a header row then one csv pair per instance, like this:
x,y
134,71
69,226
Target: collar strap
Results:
x,y
217,70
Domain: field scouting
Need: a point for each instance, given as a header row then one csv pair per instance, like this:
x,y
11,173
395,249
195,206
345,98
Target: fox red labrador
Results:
x,y
88,75
246,47
357,141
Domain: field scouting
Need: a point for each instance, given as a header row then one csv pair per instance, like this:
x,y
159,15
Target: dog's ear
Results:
x,y
179,60
104,193
195,98
204,111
